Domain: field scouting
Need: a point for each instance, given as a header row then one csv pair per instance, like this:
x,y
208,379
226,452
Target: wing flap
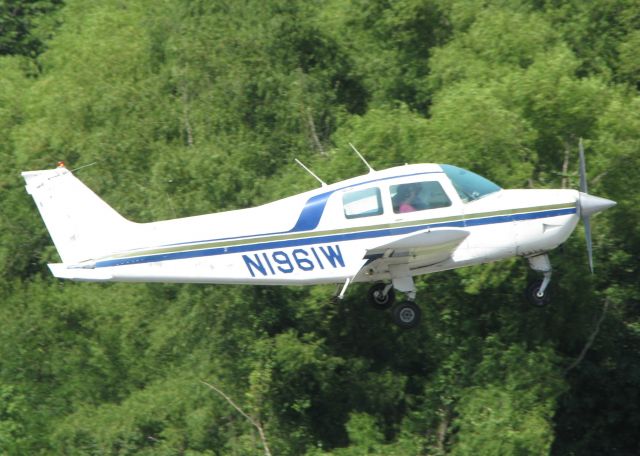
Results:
x,y
419,249
426,239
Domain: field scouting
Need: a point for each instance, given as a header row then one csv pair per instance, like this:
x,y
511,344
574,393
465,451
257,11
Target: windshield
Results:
x,y
469,186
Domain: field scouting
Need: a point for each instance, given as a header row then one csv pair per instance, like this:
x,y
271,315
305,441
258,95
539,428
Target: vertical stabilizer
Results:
x,y
83,227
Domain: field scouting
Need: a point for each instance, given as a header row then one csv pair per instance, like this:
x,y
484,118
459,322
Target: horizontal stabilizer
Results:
x,y
62,271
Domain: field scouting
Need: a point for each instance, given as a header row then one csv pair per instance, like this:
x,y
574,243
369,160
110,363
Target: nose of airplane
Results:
x,y
590,204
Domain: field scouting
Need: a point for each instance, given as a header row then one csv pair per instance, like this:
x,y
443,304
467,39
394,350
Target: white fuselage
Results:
x,y
325,235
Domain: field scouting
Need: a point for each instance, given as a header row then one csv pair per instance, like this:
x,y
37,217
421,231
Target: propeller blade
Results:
x,y
589,205
585,216
583,169
587,235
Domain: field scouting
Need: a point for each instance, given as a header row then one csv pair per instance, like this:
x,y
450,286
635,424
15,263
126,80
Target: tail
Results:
x,y
83,227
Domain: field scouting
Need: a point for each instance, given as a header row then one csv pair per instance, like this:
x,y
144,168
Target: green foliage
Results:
x,y
484,125
629,69
12,411
365,438
25,24
193,107
595,31
509,409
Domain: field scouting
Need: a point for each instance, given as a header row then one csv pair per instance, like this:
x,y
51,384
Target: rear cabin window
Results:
x,y
418,196
362,203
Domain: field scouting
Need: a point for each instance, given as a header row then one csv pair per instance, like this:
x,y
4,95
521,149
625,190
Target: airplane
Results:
x,y
383,227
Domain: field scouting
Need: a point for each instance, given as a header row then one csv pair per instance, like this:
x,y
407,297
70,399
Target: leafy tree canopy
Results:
x,y
189,107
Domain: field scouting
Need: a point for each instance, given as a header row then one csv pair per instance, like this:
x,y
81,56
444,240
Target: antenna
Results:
x,y
310,172
362,158
79,167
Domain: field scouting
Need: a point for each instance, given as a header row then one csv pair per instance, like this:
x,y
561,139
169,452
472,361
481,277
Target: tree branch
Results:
x,y
253,421
591,339
443,427
565,169
185,116
313,133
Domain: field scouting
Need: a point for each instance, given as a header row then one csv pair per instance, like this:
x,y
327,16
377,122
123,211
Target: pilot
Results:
x,y
408,198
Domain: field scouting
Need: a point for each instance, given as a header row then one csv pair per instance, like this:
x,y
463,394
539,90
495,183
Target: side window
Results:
x,y
418,196
362,203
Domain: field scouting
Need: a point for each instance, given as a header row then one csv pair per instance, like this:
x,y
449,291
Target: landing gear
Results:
x,y
406,314
537,292
535,297
381,296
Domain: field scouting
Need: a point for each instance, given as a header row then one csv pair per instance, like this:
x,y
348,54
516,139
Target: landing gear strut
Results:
x,y
537,291
405,314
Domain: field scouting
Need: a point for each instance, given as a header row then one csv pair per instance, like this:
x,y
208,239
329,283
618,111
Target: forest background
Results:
x,y
190,107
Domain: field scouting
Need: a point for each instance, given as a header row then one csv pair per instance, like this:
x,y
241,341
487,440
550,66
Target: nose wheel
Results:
x,y
536,297
538,292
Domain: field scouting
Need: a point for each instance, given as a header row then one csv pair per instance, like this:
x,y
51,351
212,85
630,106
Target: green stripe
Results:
x,y
245,241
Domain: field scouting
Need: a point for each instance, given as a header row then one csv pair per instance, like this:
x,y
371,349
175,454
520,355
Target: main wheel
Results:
x,y
377,298
532,294
406,314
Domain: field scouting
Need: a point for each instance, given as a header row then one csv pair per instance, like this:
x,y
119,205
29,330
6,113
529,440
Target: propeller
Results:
x,y
589,205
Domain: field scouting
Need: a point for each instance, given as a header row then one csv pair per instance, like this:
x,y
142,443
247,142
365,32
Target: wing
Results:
x,y
417,250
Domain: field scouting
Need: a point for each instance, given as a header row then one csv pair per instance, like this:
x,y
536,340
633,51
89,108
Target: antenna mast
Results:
x,y
362,158
310,172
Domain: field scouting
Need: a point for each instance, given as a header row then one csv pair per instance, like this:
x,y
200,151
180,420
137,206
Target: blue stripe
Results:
x,y
313,210
329,238
309,216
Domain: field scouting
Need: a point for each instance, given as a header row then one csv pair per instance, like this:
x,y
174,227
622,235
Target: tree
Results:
x,y
187,107
25,25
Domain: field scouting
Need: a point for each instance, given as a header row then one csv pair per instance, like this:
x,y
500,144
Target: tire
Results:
x,y
532,294
406,315
376,300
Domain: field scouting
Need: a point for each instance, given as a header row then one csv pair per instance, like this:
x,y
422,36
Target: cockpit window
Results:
x,y
418,196
362,203
469,186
